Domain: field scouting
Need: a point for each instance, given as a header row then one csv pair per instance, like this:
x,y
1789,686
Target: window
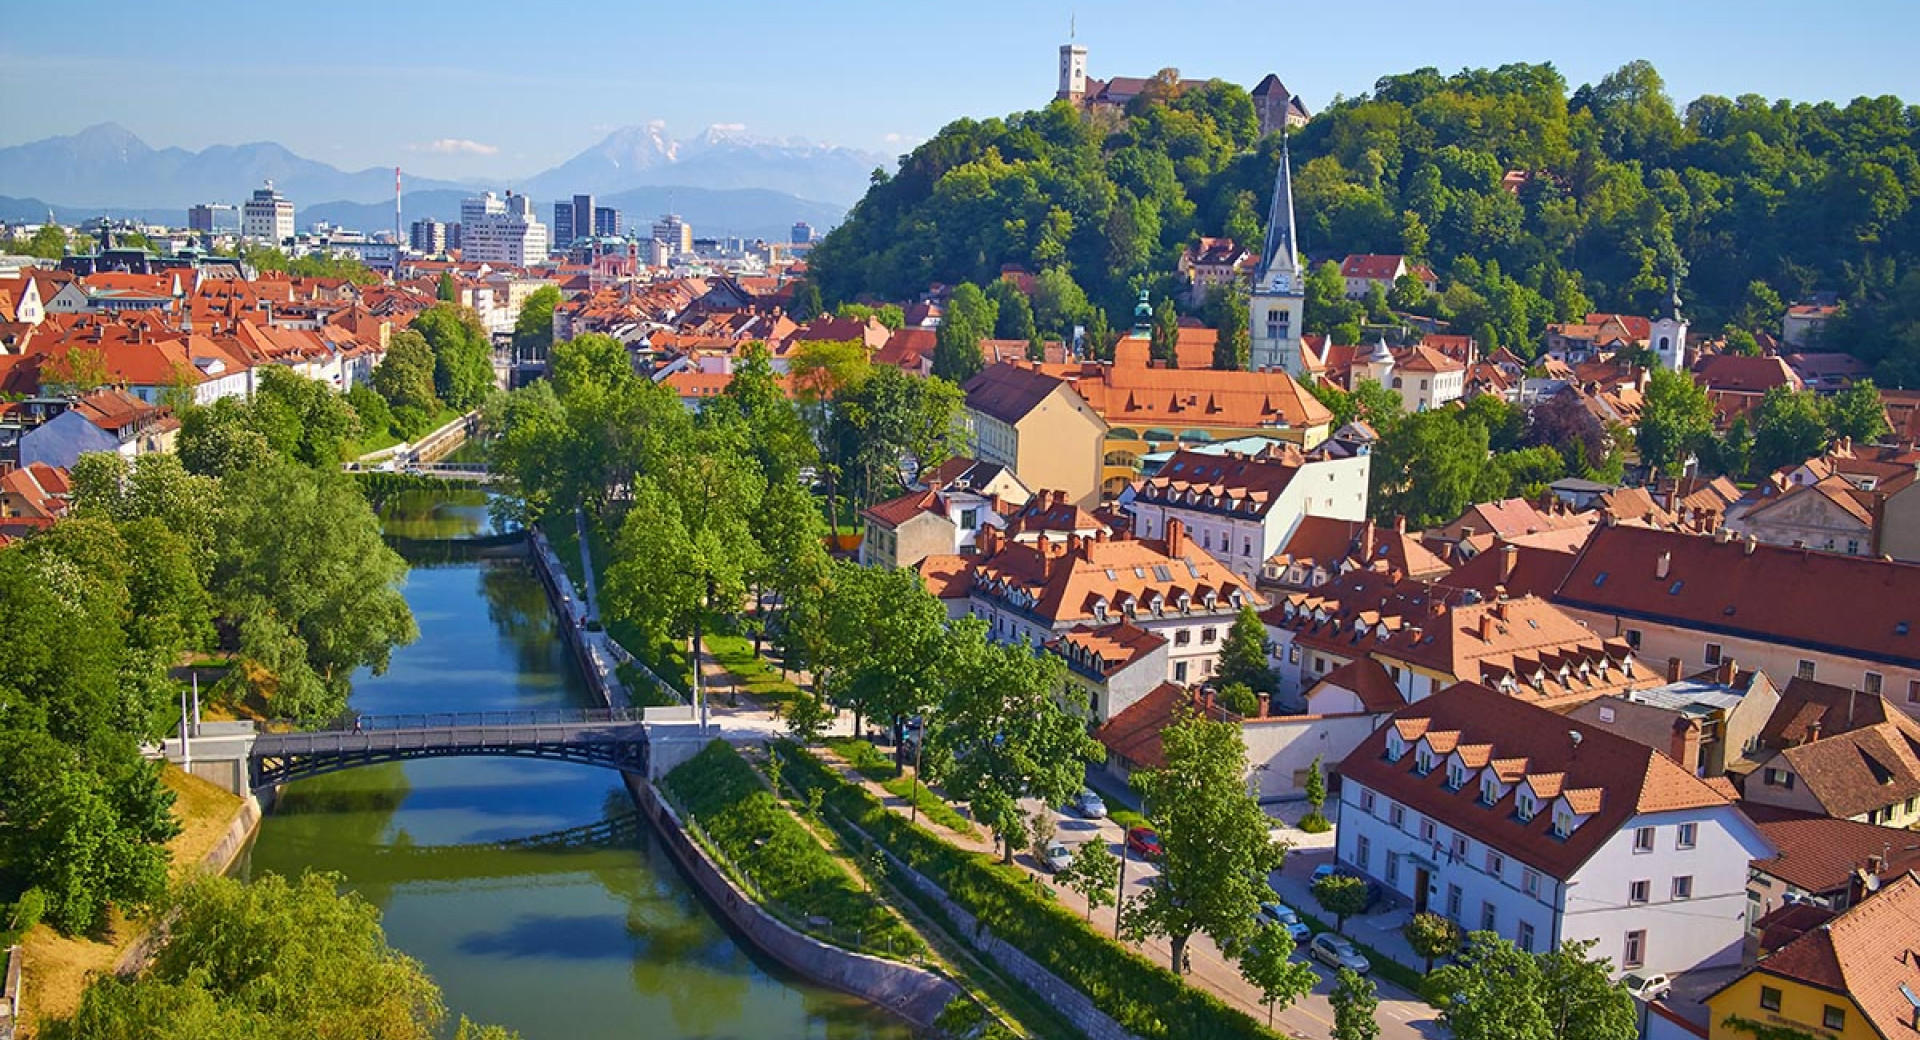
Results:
x,y
969,519
1362,853
1459,846
1913,691
1180,671
1453,902
1683,887
1635,952
1639,891
1397,815
1530,882
1873,682
1769,998
1487,917
1562,823
1526,937
1833,1018
1426,830
1688,833
1853,547
1643,839
1208,635
1182,637
1523,806
1712,655
1246,547
1456,775
1423,760
1366,801
1293,653
1393,868
1489,790
1495,863
1633,638
1778,778
1806,670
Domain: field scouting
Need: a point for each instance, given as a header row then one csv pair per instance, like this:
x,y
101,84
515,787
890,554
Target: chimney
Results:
x,y
1366,541
1685,744
1400,524
1466,532
1509,555
1663,564
1752,543
1176,538
1813,731
1673,669
1722,536
1486,626
1726,672
1266,703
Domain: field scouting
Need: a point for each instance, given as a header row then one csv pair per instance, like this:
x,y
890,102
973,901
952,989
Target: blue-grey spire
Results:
x,y
1280,257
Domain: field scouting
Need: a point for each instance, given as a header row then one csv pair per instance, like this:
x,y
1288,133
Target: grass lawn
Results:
x,y
372,442
758,679
874,764
57,966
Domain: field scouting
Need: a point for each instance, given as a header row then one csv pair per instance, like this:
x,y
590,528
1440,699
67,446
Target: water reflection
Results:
x,y
593,942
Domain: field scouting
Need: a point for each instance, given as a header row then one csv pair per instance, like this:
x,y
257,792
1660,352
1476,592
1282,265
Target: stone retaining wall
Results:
x,y
915,994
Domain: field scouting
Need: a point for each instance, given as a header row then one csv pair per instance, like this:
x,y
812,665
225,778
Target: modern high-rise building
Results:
x,y
676,233
201,218
573,220
428,237
501,231
802,233
606,222
267,217
563,224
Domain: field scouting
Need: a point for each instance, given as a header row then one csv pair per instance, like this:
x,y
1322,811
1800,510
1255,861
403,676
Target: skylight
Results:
x,y
1674,589
1160,572
1600,579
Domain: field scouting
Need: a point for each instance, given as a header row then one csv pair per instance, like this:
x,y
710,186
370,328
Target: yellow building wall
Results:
x,y
1801,1007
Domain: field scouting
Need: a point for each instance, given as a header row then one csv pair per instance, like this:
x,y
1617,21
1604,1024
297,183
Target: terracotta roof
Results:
x,y
1861,770
907,349
896,511
1231,484
1128,392
1850,605
1820,854
1107,649
1049,512
1063,584
1867,953
947,577
1510,517
1425,359
1740,374
1519,569
1133,735
1008,392
1616,778
1371,266
1369,681
1329,543
40,490
1788,922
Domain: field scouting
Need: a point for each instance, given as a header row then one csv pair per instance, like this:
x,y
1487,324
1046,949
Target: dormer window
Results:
x,y
1456,775
1489,790
1396,748
1523,806
1562,823
1423,761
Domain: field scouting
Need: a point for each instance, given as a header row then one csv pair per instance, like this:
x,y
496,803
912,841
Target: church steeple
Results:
x,y
1277,305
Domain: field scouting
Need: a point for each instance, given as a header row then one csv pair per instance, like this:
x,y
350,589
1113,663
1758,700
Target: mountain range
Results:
x,y
108,169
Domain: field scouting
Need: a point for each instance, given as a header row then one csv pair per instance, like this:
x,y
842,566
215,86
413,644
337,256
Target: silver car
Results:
x,y
1089,805
1335,951
1056,857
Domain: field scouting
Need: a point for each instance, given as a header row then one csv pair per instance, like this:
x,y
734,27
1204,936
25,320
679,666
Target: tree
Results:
x,y
303,419
1165,338
1315,822
1354,1006
1243,657
447,291
1267,962
462,354
1013,312
1431,936
1232,346
884,641
1495,991
533,329
970,318
1003,731
1218,849
1341,895
1675,420
1430,467
405,375
806,302
48,243
1858,413
1740,341
1093,872
267,958
1789,427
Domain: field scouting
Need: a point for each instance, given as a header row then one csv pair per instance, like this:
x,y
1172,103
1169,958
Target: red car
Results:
x,y
1144,841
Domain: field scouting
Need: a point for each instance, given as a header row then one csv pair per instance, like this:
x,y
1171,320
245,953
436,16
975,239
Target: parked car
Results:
x,y
1284,916
1089,805
1144,841
1646,987
1335,951
1056,857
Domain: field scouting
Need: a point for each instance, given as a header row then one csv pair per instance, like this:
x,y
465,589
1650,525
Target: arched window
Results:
x,y
1665,344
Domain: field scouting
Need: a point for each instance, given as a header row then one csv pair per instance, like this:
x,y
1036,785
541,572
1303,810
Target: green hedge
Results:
x,y
778,855
877,765
1144,998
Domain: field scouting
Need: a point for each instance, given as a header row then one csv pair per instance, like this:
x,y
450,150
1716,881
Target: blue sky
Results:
x,y
489,90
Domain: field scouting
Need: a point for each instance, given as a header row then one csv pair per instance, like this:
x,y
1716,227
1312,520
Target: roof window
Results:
x,y
1600,579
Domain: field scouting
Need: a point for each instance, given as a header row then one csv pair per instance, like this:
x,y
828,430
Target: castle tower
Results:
x,y
1073,73
1378,366
1278,301
1668,336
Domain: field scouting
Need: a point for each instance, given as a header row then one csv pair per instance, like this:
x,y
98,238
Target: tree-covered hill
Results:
x,y
1754,201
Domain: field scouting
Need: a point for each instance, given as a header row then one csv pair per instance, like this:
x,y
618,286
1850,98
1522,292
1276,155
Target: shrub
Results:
x,y
1314,823
1145,999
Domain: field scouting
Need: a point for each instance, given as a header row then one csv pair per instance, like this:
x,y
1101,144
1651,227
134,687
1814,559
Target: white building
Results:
x,y
675,232
501,231
1277,305
1506,817
1241,508
267,216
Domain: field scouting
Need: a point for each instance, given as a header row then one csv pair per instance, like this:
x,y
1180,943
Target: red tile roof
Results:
x,y
1133,735
1369,681
1866,953
1737,373
1820,854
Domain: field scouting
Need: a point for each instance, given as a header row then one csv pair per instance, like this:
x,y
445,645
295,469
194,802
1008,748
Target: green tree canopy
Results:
x,y
970,318
1675,421
462,354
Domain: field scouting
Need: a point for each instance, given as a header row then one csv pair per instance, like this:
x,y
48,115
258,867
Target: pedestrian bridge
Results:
x,y
608,738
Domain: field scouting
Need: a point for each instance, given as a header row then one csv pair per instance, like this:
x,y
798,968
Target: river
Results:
x,y
587,943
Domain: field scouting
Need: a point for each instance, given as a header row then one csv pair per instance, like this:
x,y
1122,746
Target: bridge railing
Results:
x,y
441,720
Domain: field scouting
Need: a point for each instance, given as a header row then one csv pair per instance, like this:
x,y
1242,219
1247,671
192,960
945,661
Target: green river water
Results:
x,y
587,943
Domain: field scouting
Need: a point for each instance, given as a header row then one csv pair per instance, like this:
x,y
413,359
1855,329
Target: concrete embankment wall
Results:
x,y
914,994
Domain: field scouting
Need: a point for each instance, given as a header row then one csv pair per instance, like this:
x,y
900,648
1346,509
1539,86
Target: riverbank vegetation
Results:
x,y
725,803
270,958
1147,1000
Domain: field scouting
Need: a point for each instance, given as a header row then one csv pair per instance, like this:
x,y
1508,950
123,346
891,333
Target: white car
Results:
x,y
1056,857
1335,951
1646,987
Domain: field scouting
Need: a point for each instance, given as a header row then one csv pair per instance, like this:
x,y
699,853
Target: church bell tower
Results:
x,y
1278,301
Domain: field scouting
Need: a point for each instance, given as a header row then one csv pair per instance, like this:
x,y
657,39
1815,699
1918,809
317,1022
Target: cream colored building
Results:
x,y
1037,426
